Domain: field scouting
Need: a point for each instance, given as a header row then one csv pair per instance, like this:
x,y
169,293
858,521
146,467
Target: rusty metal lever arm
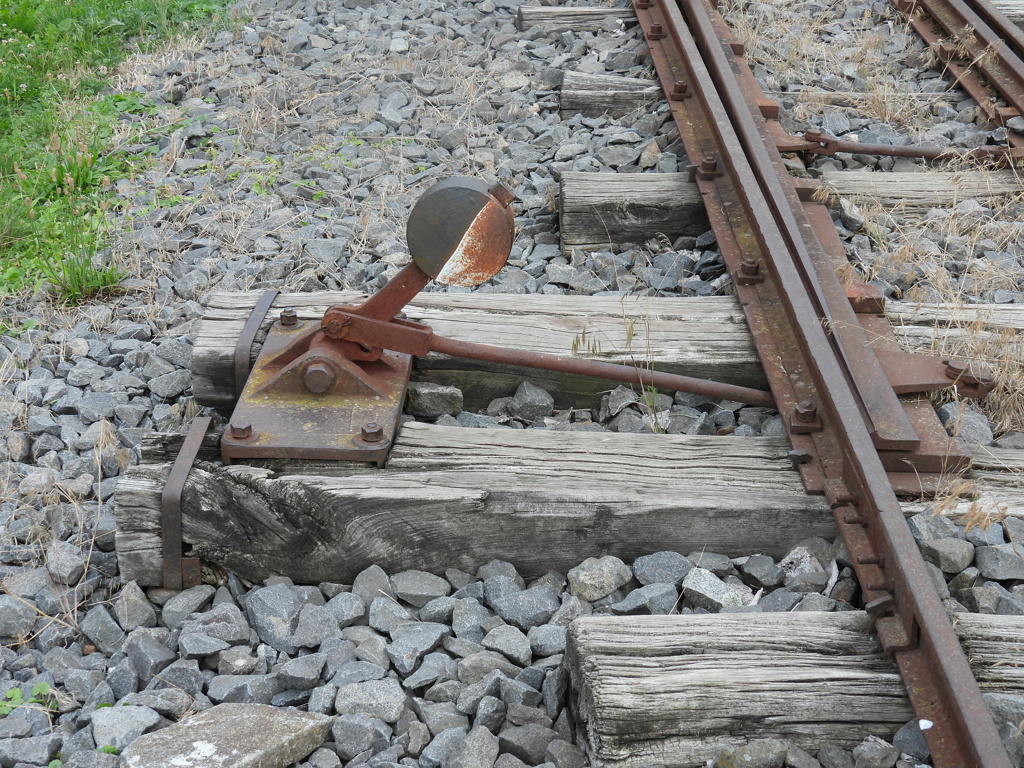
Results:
x,y
416,339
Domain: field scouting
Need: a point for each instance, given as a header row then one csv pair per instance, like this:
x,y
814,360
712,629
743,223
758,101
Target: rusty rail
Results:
x,y
812,352
980,47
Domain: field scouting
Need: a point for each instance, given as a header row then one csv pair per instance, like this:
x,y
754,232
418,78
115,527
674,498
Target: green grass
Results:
x,y
55,130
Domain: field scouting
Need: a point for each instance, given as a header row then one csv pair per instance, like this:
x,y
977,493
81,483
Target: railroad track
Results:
x,y
851,439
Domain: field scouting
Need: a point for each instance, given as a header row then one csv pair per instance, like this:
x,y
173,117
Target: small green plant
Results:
x,y
108,750
39,696
26,325
55,167
11,701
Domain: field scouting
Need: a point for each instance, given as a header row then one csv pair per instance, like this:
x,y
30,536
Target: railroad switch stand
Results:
x,y
334,388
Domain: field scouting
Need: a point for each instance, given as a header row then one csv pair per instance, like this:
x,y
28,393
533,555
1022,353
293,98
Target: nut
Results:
x,y
240,430
805,412
372,432
289,317
318,378
750,267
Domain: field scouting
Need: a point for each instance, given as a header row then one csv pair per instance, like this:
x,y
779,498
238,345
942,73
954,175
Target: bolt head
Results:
x,y
750,267
318,378
372,432
805,411
289,317
240,430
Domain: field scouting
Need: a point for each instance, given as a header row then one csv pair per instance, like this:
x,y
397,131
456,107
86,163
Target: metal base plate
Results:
x,y
288,422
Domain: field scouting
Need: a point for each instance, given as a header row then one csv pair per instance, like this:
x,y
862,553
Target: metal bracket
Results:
x,y
305,400
180,572
243,347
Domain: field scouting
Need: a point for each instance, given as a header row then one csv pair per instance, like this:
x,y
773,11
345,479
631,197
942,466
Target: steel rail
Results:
x,y
909,618
983,39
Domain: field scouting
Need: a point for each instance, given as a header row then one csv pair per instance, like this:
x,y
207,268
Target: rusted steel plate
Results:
x,y
304,402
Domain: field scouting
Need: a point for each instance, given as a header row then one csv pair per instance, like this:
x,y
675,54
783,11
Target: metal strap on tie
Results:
x,y
243,347
180,572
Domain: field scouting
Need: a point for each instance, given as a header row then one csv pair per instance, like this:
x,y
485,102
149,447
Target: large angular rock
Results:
x,y
441,746
354,734
302,673
172,703
705,590
419,587
315,625
223,622
223,737
370,583
478,750
949,555
661,568
428,401
187,602
529,608
132,610
1000,562
34,750
383,699
120,726
511,642
274,613
18,617
148,655
414,642
386,615
527,742
244,689
598,577
347,608
65,562
966,423
477,666
657,599
1007,711
530,402
467,617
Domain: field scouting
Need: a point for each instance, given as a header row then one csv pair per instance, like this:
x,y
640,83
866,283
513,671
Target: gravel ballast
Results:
x,y
287,152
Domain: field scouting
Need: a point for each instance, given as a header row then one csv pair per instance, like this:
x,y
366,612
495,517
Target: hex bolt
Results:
x,y
318,378
240,430
805,412
372,432
680,90
750,267
656,31
289,317
798,456
709,164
